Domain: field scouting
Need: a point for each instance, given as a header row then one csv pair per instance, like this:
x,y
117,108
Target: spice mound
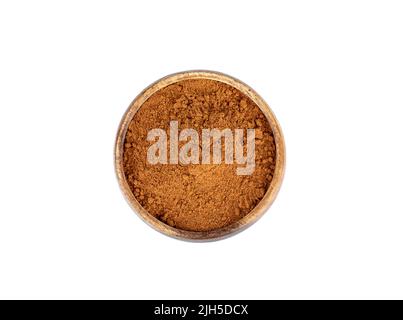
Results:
x,y
196,194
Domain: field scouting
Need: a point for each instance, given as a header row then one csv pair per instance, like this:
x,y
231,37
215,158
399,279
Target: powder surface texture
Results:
x,y
198,197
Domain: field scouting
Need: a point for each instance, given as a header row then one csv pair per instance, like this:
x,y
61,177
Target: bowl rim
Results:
x,y
256,213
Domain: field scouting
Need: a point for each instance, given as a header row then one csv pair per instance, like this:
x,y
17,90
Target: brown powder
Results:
x,y
198,197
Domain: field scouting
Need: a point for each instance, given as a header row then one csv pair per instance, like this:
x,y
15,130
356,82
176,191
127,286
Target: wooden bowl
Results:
x,y
241,224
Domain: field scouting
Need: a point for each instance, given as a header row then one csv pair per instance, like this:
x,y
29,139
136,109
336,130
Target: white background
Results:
x,y
332,71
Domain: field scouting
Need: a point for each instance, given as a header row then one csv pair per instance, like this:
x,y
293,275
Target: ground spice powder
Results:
x,y
198,197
